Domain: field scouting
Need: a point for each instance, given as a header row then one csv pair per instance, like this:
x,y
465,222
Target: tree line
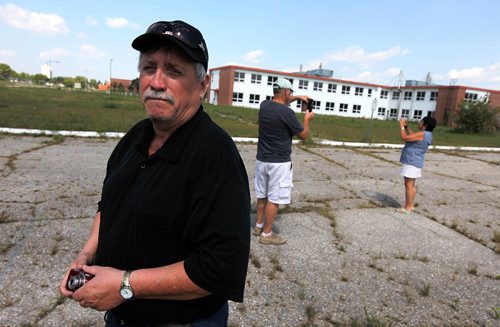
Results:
x,y
8,74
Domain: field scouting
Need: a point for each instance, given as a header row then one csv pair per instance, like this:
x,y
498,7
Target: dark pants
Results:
x,y
218,319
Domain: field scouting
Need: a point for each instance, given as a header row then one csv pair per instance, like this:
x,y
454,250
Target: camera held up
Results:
x,y
310,105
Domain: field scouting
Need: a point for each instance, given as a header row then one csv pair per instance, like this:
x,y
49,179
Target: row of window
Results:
x,y
405,113
332,88
343,107
474,97
408,95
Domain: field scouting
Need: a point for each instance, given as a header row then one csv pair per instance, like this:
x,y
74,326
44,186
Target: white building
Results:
x,y
47,70
248,87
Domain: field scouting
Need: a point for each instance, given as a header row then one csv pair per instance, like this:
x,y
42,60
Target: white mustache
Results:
x,y
159,95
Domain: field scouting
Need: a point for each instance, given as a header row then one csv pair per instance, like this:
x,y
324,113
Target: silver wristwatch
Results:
x,y
126,290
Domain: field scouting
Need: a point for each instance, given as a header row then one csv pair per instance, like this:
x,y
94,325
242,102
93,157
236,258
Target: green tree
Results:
x,y
6,72
93,83
40,79
24,76
120,88
476,118
134,86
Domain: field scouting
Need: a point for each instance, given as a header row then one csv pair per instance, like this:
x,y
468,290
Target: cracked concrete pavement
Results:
x,y
350,258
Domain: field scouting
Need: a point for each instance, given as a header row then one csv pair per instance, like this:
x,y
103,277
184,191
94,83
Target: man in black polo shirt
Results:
x,y
170,240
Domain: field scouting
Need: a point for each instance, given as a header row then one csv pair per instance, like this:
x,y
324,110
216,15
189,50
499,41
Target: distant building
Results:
x,y
248,87
47,70
118,85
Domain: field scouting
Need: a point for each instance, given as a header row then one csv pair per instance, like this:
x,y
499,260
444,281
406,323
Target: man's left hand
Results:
x,y
101,292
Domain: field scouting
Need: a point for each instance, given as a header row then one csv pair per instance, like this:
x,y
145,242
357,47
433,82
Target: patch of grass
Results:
x,y
425,290
4,216
373,265
472,269
495,312
310,312
301,294
372,321
63,109
255,261
276,263
496,236
455,304
276,267
421,258
401,254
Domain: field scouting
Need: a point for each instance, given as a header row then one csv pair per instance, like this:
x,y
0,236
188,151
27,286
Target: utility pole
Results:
x,y
400,81
369,132
110,73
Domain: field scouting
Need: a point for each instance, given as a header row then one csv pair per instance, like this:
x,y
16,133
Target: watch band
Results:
x,y
126,278
126,290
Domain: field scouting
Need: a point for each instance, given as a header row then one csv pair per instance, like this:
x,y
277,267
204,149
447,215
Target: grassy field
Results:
x,y
55,109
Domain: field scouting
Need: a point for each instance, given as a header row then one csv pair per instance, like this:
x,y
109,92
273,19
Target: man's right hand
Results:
x,y
308,116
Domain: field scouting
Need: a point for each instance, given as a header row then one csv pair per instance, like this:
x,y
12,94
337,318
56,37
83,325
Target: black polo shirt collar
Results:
x,y
172,148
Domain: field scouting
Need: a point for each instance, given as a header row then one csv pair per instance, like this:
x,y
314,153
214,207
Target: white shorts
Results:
x,y
273,180
410,171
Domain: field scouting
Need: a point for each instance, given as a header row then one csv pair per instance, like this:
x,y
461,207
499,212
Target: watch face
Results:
x,y
126,293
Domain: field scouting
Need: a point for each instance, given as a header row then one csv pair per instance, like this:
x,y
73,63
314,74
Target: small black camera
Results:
x,y
310,105
77,278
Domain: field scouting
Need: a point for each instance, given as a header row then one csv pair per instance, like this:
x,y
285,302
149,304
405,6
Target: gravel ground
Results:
x,y
350,258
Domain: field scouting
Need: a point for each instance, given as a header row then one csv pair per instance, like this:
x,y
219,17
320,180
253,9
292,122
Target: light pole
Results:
x,y
110,73
369,132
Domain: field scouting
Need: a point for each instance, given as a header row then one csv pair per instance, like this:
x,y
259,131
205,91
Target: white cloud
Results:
x,y
91,20
54,54
37,23
357,54
117,22
490,73
90,51
386,77
468,73
253,56
7,53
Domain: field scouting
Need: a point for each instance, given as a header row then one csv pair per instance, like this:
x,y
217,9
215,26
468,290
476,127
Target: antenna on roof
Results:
x,y
428,79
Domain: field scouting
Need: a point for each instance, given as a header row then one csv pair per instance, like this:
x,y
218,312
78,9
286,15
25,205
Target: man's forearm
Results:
x,y
168,283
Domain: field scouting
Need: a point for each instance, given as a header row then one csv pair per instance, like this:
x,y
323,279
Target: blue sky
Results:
x,y
360,40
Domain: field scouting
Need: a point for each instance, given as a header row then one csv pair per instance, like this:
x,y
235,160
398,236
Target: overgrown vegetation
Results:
x,y
477,118
61,109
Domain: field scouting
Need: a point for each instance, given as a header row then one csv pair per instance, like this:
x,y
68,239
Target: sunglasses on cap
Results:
x,y
182,32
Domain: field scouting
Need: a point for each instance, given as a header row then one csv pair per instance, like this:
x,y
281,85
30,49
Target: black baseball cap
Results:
x,y
187,37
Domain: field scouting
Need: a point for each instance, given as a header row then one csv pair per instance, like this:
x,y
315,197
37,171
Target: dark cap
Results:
x,y
187,37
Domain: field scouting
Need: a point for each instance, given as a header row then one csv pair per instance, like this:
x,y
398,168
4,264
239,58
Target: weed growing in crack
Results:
x,y
425,290
472,269
401,255
276,263
372,320
421,258
255,261
301,294
455,304
4,216
495,313
310,313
